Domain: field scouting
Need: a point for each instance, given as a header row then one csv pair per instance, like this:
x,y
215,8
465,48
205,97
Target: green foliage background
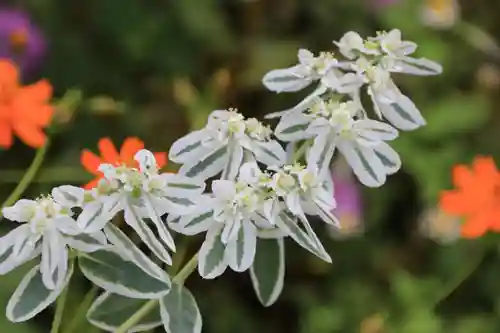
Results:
x,y
167,63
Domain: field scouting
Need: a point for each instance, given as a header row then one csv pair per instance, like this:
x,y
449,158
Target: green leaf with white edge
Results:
x,y
389,157
268,270
188,148
234,160
183,187
419,66
87,242
207,166
133,219
127,248
32,297
211,261
240,251
321,153
195,223
365,164
292,127
270,153
179,311
400,111
291,227
109,311
117,274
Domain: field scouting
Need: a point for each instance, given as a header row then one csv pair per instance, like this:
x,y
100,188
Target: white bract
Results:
x,y
220,146
49,230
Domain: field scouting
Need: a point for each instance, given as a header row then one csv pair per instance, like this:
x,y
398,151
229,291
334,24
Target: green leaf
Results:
x,y
109,311
308,240
31,296
268,270
116,274
179,311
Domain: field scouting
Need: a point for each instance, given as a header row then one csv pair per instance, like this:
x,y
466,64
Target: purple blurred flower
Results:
x,y
21,40
349,208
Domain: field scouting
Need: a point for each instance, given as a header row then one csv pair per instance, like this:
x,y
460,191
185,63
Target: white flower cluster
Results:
x,y
261,194
333,115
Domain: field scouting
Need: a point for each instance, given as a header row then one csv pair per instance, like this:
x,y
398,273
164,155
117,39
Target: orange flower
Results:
x,y
24,111
476,197
110,155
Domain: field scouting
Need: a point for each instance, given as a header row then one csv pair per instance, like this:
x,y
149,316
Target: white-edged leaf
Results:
x,y
389,157
418,66
193,224
117,274
270,153
268,270
234,160
127,248
87,242
179,311
240,251
293,127
182,187
373,130
31,296
109,311
211,261
92,218
133,219
398,109
155,216
364,163
188,148
206,166
303,105
305,239
321,153
285,80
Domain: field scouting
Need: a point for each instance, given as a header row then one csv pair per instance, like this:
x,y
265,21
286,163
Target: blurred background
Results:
x,y
155,68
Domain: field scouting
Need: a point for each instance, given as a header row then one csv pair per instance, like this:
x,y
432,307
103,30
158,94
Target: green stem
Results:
x,y
61,301
82,309
28,176
461,278
48,175
301,151
151,304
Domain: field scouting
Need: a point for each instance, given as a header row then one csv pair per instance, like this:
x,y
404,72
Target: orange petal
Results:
x,y
30,134
475,226
108,151
5,135
462,175
39,92
9,74
485,165
129,147
90,161
455,203
37,114
92,184
161,159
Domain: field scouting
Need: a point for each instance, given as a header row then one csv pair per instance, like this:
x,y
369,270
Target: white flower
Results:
x,y
392,45
305,192
220,146
352,45
388,101
298,77
144,193
48,229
